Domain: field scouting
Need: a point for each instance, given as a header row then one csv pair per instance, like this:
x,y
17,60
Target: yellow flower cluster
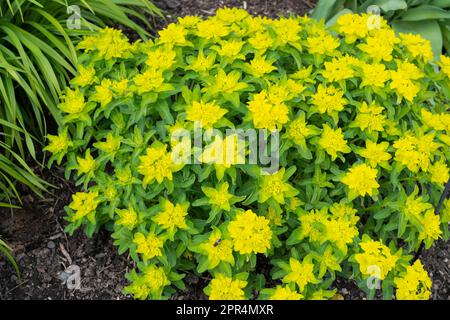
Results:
x,y
415,283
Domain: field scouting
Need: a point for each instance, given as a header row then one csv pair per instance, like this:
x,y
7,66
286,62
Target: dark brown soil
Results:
x,y
43,251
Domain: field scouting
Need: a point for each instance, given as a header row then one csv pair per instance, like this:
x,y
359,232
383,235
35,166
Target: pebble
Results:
x,y
51,245
344,291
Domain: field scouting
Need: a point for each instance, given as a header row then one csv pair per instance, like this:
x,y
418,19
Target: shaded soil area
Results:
x,y
45,253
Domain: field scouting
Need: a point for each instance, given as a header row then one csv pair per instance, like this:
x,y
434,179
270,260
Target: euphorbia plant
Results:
x,y
363,155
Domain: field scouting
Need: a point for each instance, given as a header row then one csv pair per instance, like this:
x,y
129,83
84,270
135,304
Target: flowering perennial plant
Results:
x,y
364,153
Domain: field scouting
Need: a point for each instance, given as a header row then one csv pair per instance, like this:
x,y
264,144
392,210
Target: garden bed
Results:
x,y
43,250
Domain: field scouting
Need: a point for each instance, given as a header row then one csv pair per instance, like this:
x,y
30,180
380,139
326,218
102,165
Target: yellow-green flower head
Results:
x,y
298,130
149,245
226,288
415,152
445,212
111,144
274,186
323,44
284,293
155,278
374,75
73,102
231,49
206,113
445,65
287,31
262,41
329,100
361,180
369,118
160,58
225,83
189,22
110,43
231,15
265,114
172,216
87,164
218,249
138,289
60,143
202,63
259,66
402,80
312,225
124,175
157,164
275,217
417,46
103,93
120,87
84,204
212,29
85,76
333,142
353,26
439,172
127,218
150,80
415,206
173,34
341,68
250,233
301,273
341,231
434,121
415,284
376,154
376,260
224,152
431,227
219,197
380,44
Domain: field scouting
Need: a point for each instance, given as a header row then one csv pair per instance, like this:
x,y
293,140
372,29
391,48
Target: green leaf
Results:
x,y
425,12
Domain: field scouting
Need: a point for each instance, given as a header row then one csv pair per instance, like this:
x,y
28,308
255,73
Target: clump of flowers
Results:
x,y
363,125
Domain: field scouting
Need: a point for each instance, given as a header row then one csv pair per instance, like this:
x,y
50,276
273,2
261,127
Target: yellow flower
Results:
x,y
120,87
218,249
149,246
189,21
417,46
110,43
212,29
206,113
375,153
219,197
415,284
439,172
84,204
157,164
374,75
361,180
111,145
87,164
225,83
259,66
85,76
369,118
150,80
155,278
231,15
431,227
261,41
265,114
329,100
298,130
172,217
59,143
311,224
445,65
402,80
415,152
274,216
287,30
285,293
231,49
322,45
376,260
341,231
332,141
353,26
202,63
414,207
274,186
127,218
161,58
226,288
173,34
103,93
250,233
341,68
380,44
73,102
300,273
434,121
